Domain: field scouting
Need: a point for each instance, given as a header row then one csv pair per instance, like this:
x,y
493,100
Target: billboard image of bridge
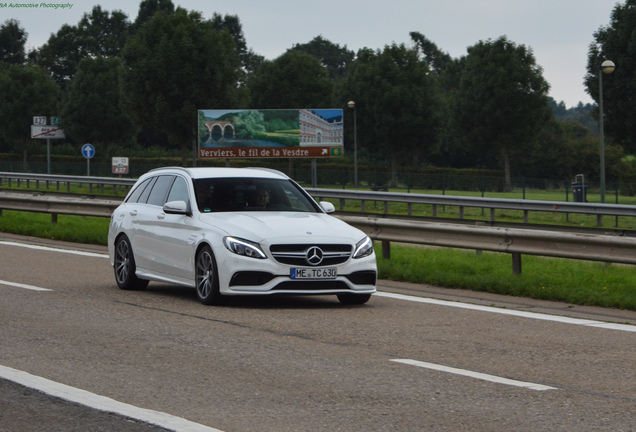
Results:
x,y
284,133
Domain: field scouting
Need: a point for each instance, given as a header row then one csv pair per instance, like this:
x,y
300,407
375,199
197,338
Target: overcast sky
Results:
x,y
558,31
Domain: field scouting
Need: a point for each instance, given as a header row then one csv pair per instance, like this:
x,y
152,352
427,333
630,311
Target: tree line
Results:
x,y
122,84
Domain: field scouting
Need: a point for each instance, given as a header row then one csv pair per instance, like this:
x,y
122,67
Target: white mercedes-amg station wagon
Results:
x,y
236,231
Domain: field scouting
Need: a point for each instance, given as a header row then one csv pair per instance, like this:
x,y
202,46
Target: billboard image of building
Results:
x,y
270,133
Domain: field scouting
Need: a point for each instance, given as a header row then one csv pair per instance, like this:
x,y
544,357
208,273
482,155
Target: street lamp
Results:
x,y
352,105
607,67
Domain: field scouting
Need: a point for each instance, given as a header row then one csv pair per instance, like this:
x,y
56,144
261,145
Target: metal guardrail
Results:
x,y
526,206
18,178
50,203
611,247
515,241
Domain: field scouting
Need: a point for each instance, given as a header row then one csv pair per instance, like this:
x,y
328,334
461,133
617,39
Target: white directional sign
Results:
x,y
43,132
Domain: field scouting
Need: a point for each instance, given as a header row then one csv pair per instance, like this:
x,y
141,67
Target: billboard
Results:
x,y
236,133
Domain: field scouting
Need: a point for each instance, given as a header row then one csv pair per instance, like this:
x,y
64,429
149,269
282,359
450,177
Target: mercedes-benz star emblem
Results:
x,y
314,255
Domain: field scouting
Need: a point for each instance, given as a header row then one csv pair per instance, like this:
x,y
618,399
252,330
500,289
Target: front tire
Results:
x,y
125,266
354,299
207,280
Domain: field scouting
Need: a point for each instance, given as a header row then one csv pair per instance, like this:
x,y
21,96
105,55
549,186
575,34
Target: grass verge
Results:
x,y
576,282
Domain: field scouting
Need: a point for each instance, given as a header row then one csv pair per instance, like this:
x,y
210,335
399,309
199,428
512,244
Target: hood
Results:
x,y
293,226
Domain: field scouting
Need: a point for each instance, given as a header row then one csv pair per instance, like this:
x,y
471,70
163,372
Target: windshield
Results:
x,y
250,194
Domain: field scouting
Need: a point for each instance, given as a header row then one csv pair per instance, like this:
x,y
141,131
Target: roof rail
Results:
x,y
172,168
269,170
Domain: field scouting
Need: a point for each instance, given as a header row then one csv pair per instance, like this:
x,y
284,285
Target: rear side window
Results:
x,y
160,190
134,196
144,195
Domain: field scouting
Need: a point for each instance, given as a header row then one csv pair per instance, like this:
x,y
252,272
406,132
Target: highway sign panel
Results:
x,y
44,132
120,165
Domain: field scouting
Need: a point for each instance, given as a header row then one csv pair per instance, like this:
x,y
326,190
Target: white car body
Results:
x,y
277,250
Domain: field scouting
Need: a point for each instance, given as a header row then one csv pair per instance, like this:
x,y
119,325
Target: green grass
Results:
x,y
576,282
572,281
76,229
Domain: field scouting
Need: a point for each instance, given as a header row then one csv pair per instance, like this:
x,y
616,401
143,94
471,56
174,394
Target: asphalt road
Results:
x,y
414,358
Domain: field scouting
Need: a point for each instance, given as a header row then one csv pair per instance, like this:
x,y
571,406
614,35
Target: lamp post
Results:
x,y
607,67
352,105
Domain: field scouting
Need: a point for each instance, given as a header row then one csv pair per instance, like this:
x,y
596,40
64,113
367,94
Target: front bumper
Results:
x,y
247,276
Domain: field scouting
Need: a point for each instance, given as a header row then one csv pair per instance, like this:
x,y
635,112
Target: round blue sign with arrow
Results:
x,y
88,151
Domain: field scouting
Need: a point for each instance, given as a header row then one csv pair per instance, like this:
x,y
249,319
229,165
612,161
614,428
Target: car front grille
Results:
x,y
297,254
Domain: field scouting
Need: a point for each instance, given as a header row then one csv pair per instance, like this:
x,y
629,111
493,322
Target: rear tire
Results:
x,y
125,267
353,299
207,280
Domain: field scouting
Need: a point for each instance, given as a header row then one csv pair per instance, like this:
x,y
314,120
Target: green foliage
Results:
x,y
25,91
615,42
174,65
294,80
502,98
91,110
99,33
397,103
438,61
332,56
12,41
148,9
583,114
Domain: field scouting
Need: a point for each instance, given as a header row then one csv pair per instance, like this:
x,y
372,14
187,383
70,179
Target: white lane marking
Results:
x,y
50,249
523,314
101,403
19,285
476,375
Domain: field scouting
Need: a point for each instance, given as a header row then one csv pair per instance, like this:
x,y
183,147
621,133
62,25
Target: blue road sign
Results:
x,y
88,151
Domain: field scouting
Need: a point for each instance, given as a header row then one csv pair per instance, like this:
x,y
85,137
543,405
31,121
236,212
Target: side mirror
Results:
x,y
327,206
177,207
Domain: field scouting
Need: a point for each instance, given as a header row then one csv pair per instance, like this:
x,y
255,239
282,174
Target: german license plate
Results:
x,y
314,273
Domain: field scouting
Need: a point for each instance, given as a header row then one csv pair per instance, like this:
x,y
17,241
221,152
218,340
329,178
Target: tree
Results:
x,y
175,65
12,41
148,9
250,61
437,59
91,104
25,91
502,99
332,56
616,42
293,80
99,33
397,104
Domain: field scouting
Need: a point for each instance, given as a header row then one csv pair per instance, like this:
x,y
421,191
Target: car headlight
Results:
x,y
244,247
363,248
